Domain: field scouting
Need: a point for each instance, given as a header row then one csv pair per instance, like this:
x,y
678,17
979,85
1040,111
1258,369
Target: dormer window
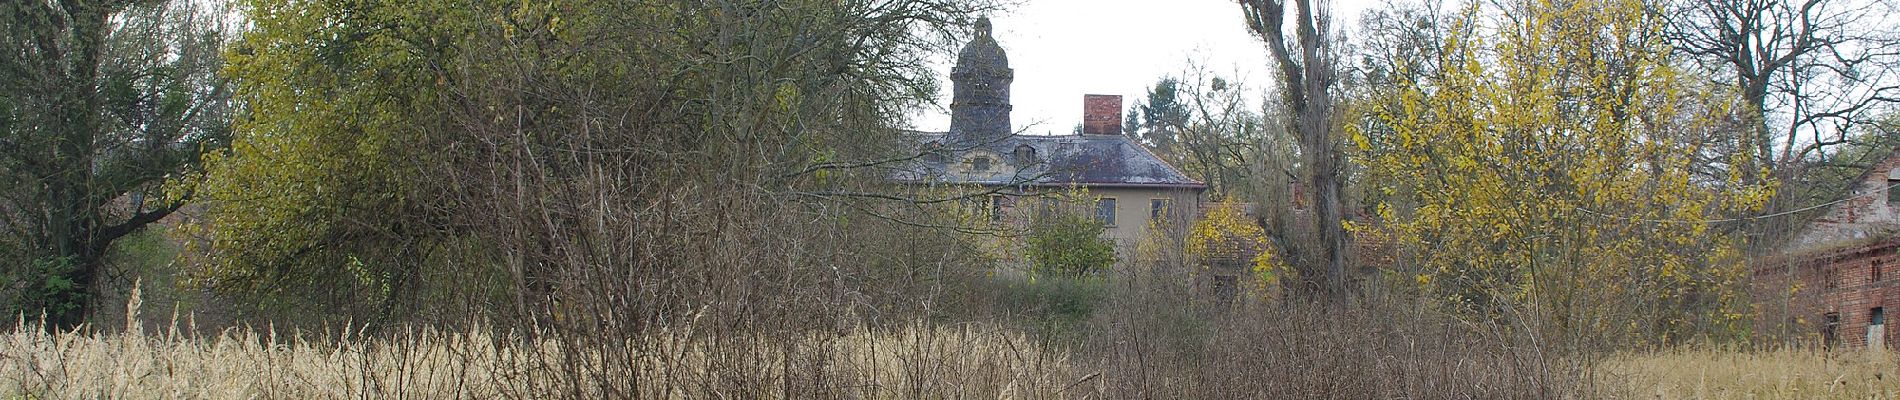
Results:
x,y
1025,155
980,164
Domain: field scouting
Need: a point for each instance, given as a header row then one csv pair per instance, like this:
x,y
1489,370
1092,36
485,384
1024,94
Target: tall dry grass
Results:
x,y
1286,351
919,361
1741,374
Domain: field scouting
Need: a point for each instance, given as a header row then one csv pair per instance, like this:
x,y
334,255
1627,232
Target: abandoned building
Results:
x,y
1837,275
1131,187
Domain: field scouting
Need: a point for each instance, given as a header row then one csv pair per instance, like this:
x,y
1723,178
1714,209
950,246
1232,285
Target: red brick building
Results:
x,y
1833,295
1840,275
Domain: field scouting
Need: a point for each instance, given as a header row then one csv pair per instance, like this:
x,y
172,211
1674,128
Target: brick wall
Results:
x,y
1797,293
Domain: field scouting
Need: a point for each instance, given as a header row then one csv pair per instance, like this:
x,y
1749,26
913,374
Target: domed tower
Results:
x,y
979,108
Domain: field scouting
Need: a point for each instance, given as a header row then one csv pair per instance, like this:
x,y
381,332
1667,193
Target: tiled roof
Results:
x,y
1089,160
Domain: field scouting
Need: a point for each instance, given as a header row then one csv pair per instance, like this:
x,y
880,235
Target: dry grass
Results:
x,y
917,361
1780,374
929,362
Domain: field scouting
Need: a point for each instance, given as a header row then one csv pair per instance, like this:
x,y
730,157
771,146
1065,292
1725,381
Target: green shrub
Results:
x,y
46,286
1068,244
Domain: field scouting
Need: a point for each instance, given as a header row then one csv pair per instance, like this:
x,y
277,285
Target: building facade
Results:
x,y
1835,279
1132,189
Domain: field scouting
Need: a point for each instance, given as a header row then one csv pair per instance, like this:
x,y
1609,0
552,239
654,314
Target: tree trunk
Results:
x,y
1306,95
73,222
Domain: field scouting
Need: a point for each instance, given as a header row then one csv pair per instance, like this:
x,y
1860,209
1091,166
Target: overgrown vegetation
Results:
x,y
107,109
660,198
1068,243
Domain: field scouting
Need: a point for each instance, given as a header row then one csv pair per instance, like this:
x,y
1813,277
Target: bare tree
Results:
x,y
1808,74
1308,78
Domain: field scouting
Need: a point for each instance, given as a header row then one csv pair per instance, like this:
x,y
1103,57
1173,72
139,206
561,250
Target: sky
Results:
x,y
1063,49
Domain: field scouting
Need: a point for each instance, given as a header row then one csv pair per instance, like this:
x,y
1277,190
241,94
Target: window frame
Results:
x,y
1893,191
1161,209
1046,207
1113,211
995,207
1830,329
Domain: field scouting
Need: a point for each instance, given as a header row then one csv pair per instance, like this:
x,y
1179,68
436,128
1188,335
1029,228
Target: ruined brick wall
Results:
x,y
1797,294
1866,212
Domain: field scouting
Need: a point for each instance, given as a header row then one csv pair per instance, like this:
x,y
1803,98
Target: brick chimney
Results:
x,y
1101,114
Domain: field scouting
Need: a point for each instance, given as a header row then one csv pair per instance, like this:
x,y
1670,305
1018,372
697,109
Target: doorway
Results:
x,y
1877,328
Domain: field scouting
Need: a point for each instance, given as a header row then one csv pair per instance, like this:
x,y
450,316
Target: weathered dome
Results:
x,y
979,103
982,54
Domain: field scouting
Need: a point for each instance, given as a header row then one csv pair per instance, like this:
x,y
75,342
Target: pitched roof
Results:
x,y
1089,160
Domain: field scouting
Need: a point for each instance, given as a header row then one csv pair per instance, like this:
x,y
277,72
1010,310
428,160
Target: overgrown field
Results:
x,y
1729,374
962,361
930,362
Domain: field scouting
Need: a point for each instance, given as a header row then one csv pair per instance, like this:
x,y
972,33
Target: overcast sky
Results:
x,y
1063,49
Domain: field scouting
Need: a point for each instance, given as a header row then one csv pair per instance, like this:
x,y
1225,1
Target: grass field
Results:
x,y
1782,374
944,362
917,361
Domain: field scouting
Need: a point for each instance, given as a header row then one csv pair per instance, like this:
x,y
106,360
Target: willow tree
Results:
x,y
1546,175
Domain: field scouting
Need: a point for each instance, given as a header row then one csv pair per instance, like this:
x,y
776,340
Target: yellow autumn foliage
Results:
x,y
1225,231
1548,173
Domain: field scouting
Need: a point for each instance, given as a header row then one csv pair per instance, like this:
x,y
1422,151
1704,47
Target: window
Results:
x,y
1105,210
1873,273
996,208
1160,209
1893,187
1893,191
1046,207
980,164
1877,316
1830,329
1025,155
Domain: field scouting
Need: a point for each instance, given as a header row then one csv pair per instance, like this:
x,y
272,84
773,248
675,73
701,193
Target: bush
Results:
x,y
45,286
1068,244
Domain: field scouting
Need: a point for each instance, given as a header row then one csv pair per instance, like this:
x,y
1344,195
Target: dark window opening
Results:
x,y
996,208
1046,207
1105,211
1873,273
1830,329
1877,316
1893,191
1160,209
1025,155
980,164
